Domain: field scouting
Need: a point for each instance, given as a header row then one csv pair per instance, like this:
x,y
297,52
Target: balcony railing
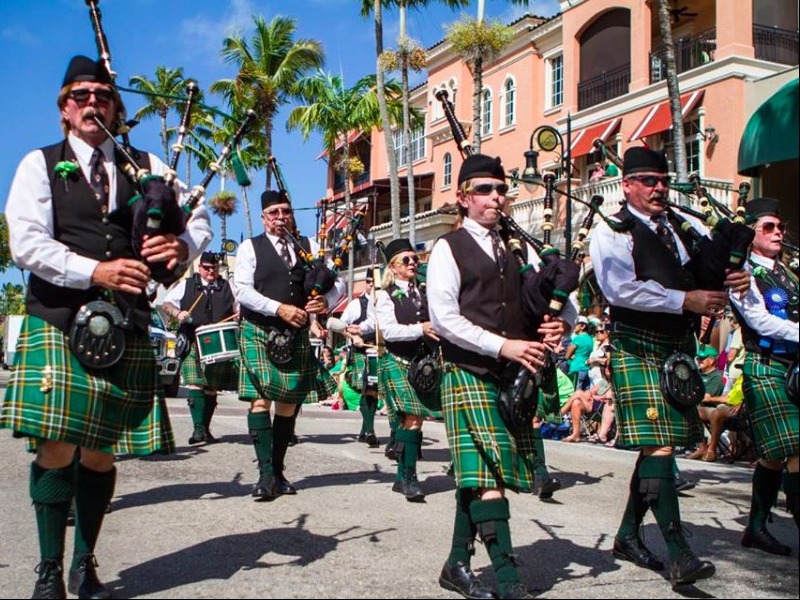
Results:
x,y
776,45
338,181
690,52
608,85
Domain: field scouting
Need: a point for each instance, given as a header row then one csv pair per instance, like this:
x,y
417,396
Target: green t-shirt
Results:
x,y
713,382
584,346
565,387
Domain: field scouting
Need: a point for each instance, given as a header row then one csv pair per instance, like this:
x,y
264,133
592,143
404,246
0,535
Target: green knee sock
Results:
x,y
196,400
766,485
657,483
282,428
635,509
260,427
410,441
539,464
464,530
369,406
362,408
491,518
209,406
51,491
93,492
791,487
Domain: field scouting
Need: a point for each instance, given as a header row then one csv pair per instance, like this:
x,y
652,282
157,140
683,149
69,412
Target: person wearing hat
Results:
x,y
645,270
205,298
474,290
769,318
70,226
401,312
268,281
362,372
578,352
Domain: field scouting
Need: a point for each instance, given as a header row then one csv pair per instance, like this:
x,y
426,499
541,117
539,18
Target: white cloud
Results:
x,y
16,34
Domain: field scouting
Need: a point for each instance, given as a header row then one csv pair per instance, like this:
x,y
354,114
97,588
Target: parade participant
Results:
x,y
644,269
474,290
402,314
769,317
71,226
359,314
277,361
206,298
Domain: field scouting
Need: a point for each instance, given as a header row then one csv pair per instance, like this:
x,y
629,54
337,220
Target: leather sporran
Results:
x,y
280,343
425,371
96,337
518,397
183,341
792,382
680,382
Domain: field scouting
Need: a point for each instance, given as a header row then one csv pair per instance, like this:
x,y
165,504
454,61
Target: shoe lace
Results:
x,y
88,562
48,568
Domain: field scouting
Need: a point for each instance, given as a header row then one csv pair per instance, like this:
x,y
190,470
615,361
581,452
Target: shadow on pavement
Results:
x,y
181,492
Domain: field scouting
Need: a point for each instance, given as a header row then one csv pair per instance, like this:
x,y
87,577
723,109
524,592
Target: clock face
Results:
x,y
547,139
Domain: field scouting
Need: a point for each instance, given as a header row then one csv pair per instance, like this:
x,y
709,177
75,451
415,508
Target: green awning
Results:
x,y
771,134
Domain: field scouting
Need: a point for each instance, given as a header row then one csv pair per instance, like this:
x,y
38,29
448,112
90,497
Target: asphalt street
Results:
x,y
185,525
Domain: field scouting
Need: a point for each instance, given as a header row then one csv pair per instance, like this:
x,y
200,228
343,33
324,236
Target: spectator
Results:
x,y
720,413
578,352
707,363
598,359
597,173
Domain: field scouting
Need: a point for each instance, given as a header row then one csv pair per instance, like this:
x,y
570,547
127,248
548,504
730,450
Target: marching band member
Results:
x,y
205,298
277,361
402,314
70,225
475,300
646,275
769,317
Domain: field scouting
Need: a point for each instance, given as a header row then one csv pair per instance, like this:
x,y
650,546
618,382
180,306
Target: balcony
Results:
x,y
690,53
338,182
607,85
776,45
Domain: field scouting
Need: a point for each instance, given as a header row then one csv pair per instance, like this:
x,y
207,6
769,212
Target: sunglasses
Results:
x,y
81,95
407,260
209,267
274,212
652,180
484,189
771,227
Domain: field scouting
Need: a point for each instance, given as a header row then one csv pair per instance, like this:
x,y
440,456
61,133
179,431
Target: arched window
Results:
x,y
486,112
447,177
509,103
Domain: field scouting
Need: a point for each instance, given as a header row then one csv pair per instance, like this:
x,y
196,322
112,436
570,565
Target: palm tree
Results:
x,y
163,95
223,204
269,64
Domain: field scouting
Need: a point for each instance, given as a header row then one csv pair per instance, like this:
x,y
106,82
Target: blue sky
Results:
x,y
37,39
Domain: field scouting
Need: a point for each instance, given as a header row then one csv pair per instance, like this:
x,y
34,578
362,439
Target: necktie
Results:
x,y
498,249
666,237
98,178
284,251
413,293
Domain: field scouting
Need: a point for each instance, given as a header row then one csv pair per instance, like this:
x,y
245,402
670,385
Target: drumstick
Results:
x,y
226,319
194,304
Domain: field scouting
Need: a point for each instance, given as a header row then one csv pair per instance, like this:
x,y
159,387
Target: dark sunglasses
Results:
x,y
484,189
771,227
81,95
652,180
406,260
209,267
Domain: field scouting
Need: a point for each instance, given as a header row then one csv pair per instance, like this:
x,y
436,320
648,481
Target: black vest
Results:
x,y
272,278
79,224
406,313
218,303
653,261
363,302
486,298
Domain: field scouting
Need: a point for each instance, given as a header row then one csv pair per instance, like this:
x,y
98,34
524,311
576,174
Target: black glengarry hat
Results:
x,y
762,207
640,159
480,165
83,68
397,246
271,197
209,258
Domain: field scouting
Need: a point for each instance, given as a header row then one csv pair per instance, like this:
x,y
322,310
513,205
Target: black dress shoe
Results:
x,y
398,487
362,438
687,569
372,441
460,578
412,488
684,485
198,436
762,539
283,487
517,590
210,439
50,583
544,487
265,488
83,580
631,548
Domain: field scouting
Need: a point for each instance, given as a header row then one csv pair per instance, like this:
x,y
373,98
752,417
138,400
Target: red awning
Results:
x,y
340,220
582,142
340,144
660,119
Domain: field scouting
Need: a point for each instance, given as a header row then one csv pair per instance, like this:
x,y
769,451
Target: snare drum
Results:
x,y
217,343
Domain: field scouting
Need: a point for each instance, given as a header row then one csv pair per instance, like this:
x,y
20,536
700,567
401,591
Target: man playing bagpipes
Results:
x,y
206,298
277,361
85,374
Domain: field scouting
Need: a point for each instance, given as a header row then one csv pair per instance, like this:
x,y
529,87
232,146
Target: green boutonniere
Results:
x,y
759,271
398,293
66,168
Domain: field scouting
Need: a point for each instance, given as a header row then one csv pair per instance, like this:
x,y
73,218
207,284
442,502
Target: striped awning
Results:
x,y
659,118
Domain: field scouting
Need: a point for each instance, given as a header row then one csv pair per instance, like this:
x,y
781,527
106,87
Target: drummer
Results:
x,y
205,298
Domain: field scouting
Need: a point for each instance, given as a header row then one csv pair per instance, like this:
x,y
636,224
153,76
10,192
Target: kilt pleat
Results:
x,y
51,395
644,417
773,417
214,377
359,368
302,380
485,454
400,396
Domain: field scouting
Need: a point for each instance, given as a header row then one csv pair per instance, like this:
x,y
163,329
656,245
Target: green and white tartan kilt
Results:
x,y
549,400
120,409
485,454
400,396
213,377
773,417
303,380
644,417
355,370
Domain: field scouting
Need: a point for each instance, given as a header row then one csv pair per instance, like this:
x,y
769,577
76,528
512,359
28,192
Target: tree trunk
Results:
x,y
412,200
351,252
268,148
164,140
246,206
477,79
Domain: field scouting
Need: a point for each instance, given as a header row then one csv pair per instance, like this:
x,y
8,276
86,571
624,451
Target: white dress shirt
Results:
x,y
29,211
443,289
754,310
391,330
612,259
353,311
244,284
